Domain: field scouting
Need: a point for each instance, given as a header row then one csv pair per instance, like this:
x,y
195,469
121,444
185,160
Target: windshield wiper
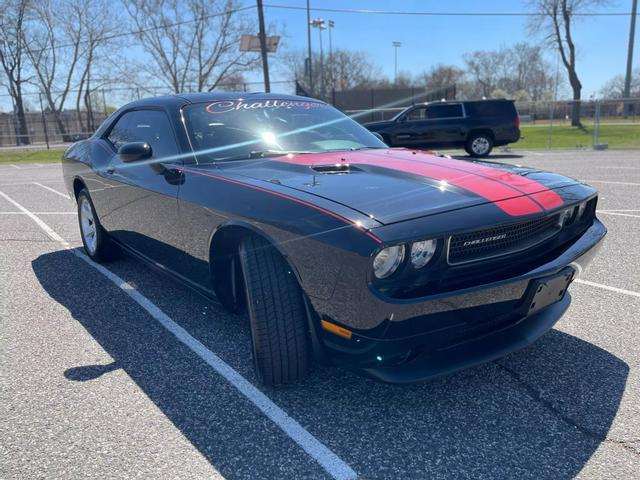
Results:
x,y
262,154
350,149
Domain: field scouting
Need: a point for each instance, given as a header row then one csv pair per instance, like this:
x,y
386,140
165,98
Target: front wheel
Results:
x,y
96,243
479,145
277,314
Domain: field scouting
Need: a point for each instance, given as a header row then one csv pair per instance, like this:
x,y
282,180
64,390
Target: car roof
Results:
x,y
180,99
448,102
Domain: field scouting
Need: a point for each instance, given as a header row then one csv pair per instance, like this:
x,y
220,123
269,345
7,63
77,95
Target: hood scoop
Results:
x,y
335,168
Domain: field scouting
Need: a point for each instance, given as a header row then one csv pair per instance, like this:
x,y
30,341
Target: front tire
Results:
x,y
479,145
277,314
97,244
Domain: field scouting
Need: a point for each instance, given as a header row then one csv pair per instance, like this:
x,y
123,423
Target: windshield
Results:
x,y
237,129
403,112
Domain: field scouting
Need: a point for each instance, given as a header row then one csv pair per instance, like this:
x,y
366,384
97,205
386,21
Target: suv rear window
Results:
x,y
491,109
444,111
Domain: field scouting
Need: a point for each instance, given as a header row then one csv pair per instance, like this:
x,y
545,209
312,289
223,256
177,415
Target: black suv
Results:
x,y
477,126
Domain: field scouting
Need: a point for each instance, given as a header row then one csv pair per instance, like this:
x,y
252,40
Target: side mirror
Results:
x,y
379,137
134,151
402,119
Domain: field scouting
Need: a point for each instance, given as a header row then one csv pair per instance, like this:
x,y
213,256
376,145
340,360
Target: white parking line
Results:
x,y
613,183
19,184
334,465
52,190
32,166
47,229
620,214
607,287
39,213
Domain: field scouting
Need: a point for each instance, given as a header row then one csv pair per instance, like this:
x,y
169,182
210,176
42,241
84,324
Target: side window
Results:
x,y
417,114
444,111
151,126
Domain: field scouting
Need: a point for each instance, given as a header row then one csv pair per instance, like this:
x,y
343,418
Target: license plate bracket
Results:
x,y
549,290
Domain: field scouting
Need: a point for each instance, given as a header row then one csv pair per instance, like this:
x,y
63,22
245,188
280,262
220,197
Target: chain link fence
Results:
x,y
544,124
45,127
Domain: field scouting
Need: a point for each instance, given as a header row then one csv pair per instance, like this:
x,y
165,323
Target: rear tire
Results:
x,y
97,244
479,145
277,314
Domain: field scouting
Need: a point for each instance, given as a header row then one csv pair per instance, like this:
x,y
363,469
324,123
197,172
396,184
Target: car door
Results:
x,y
142,196
443,124
410,129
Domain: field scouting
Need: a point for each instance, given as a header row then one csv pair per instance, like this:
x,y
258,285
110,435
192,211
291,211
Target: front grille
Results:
x,y
501,240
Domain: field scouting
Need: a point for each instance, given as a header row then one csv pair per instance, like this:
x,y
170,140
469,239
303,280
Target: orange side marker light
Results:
x,y
333,328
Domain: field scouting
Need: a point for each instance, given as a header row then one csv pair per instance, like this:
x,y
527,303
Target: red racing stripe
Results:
x,y
287,197
506,197
548,200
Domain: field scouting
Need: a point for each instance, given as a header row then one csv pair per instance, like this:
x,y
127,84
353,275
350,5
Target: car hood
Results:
x,y
392,185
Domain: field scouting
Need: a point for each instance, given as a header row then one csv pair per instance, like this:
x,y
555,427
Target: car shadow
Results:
x,y
539,413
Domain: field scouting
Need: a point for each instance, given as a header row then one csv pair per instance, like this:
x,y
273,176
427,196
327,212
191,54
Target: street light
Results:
x,y
331,24
319,24
396,45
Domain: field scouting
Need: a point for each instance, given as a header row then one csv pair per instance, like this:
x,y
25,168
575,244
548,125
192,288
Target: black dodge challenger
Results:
x,y
399,263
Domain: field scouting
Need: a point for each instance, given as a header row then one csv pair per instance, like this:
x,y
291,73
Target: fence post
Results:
x,y
551,115
44,122
596,126
373,105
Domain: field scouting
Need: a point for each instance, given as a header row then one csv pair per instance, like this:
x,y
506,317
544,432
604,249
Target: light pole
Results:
x,y
627,80
263,47
396,45
309,60
331,24
319,24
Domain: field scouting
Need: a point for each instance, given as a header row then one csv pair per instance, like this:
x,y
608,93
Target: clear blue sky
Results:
x,y
601,41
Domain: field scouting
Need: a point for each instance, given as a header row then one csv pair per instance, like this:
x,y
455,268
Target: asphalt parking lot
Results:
x,y
121,372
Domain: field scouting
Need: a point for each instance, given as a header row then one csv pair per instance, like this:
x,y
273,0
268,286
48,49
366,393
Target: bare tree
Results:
x,y
97,29
192,43
350,69
482,68
614,88
556,19
507,71
13,57
440,76
55,47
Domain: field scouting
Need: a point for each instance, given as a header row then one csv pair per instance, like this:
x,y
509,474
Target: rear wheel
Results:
x,y
479,145
277,314
97,244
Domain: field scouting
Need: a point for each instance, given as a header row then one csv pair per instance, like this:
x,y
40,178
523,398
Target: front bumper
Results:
x,y
419,339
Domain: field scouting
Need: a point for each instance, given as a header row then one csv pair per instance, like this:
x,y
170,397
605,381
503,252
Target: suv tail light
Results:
x,y
517,121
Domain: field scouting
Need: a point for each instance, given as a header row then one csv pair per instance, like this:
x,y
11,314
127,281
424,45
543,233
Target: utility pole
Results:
x,y
319,24
632,32
396,45
263,48
309,59
331,24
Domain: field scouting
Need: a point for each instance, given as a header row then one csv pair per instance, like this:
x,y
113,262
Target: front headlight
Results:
x,y
388,260
422,252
